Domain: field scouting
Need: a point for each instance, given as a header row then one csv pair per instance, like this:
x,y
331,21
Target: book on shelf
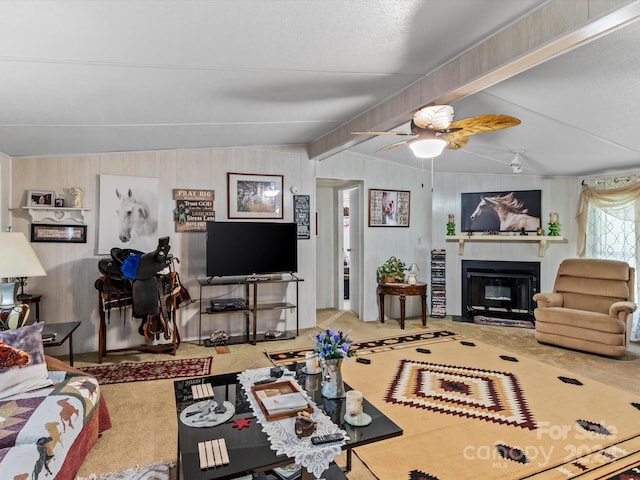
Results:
x,y
288,472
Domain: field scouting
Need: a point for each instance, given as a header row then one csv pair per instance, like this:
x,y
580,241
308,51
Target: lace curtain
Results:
x,y
609,227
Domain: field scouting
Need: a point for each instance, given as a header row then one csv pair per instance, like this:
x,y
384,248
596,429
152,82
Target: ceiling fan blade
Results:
x,y
394,145
392,132
484,123
456,141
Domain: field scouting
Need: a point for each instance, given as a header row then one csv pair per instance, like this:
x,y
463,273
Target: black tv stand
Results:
x,y
249,305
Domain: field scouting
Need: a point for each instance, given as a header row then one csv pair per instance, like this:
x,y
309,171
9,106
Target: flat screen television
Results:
x,y
251,248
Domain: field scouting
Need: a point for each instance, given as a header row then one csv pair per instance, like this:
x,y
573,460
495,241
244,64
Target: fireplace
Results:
x,y
499,289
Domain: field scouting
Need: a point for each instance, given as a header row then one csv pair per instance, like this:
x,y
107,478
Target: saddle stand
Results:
x,y
150,285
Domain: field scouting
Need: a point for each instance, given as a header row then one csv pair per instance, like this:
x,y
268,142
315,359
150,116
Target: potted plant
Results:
x,y
391,271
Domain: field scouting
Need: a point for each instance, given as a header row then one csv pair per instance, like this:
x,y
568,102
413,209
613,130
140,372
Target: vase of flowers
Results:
x,y
332,347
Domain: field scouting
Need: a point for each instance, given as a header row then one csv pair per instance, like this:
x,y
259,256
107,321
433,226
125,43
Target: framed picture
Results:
x,y
39,198
506,211
58,233
389,208
128,213
254,196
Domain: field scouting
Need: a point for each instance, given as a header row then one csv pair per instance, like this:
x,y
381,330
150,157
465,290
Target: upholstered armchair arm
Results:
x,y
622,309
549,299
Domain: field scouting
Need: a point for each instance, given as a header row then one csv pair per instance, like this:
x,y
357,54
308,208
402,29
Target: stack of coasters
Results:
x,y
203,390
213,453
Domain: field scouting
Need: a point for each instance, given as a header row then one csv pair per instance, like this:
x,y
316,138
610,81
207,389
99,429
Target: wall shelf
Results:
x,y
541,240
60,215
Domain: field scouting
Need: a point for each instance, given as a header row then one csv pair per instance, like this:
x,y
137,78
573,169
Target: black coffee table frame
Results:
x,y
249,449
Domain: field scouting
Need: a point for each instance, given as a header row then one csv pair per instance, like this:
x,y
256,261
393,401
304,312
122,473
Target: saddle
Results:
x,y
140,275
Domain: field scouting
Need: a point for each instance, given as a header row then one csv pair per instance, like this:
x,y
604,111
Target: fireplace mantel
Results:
x,y
541,240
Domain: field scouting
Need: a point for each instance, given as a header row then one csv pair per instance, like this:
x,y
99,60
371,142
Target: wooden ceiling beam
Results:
x,y
557,27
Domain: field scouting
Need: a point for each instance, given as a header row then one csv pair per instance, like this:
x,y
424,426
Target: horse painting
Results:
x,y
510,211
136,214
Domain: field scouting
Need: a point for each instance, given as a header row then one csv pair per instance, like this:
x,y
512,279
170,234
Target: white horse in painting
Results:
x,y
513,216
137,214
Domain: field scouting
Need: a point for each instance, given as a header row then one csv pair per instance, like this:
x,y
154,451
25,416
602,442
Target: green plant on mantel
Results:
x,y
391,271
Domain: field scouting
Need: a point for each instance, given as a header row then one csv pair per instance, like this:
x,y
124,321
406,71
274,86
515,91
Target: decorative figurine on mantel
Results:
x,y
77,193
451,226
554,226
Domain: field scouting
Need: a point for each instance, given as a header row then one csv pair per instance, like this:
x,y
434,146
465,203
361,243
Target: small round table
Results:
x,y
403,289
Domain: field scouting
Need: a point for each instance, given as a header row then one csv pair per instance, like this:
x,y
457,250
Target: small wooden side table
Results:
x,y
402,290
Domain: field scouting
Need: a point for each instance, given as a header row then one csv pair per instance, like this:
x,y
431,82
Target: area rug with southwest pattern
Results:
x,y
141,371
469,410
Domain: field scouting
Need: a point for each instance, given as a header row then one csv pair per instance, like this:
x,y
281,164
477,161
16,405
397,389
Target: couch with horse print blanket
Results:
x,y
46,432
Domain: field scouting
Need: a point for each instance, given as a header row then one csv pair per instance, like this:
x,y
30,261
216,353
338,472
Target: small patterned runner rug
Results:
x,y
141,371
287,357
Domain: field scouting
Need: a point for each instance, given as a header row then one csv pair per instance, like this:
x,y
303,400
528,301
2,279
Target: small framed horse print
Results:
x,y
508,211
389,208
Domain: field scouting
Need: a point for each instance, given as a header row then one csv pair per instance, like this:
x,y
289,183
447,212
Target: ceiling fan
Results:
x,y
432,130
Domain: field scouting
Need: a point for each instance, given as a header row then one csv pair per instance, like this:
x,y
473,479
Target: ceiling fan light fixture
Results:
x,y
436,117
429,148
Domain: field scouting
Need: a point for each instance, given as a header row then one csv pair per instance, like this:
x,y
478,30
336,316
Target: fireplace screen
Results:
x,y
499,292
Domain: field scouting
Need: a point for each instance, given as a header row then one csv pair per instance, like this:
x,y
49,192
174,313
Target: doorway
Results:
x,y
349,247
338,245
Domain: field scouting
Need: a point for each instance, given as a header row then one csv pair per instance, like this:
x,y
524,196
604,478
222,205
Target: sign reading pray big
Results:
x,y
194,208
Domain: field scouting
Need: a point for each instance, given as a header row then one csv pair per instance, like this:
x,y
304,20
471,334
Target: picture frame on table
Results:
x,y
41,232
254,196
40,198
389,208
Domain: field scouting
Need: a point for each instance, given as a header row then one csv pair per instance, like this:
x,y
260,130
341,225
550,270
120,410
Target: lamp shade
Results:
x,y
17,257
428,148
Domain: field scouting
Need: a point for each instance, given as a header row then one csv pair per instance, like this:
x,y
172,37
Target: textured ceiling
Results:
x,y
108,76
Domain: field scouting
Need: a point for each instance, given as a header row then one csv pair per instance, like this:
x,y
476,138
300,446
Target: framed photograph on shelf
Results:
x,y
58,233
254,196
389,208
40,198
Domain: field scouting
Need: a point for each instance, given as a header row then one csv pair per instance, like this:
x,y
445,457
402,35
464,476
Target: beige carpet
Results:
x,y
144,420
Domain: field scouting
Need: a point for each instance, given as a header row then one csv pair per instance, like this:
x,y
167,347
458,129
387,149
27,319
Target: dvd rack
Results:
x,y
438,283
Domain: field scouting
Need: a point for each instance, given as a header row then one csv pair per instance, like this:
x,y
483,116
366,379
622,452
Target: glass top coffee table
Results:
x,y
248,448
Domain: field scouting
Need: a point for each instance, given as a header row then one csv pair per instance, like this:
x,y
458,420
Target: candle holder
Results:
x,y
554,226
451,225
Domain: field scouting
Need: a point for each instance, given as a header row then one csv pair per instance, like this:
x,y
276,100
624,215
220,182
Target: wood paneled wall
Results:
x,y
68,290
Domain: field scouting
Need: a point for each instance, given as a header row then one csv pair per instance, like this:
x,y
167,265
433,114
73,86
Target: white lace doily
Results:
x,y
281,434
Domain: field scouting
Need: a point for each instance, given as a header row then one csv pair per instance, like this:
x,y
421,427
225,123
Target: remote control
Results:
x,y
332,437
266,380
366,361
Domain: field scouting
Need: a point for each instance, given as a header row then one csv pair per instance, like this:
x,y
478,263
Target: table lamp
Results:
x,y
17,260
413,274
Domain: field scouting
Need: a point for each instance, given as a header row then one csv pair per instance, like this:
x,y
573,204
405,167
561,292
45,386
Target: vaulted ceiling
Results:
x,y
135,75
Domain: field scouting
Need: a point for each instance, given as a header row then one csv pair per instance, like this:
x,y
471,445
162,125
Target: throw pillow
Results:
x,y
22,362
14,317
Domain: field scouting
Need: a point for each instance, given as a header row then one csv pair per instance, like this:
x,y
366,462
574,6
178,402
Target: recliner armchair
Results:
x,y
591,307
